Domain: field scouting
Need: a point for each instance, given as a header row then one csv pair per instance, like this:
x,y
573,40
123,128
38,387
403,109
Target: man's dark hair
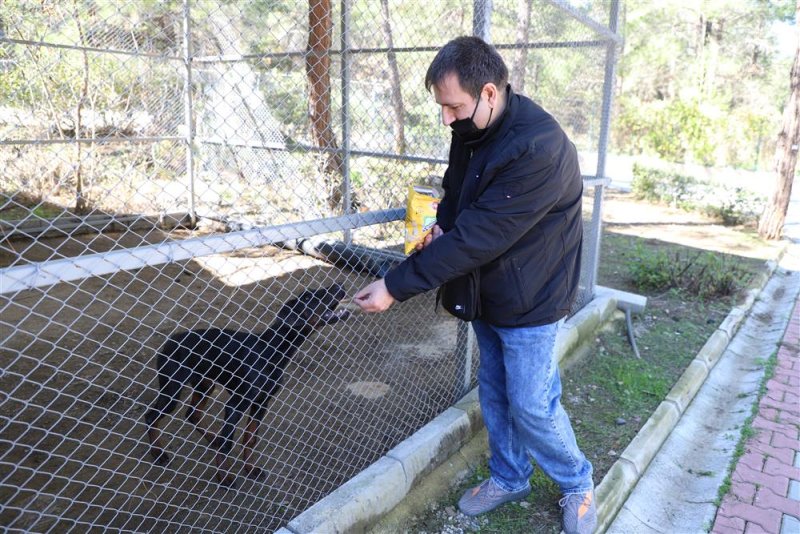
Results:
x,y
474,61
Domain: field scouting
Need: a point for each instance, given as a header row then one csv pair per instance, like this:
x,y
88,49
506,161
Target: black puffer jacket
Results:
x,y
512,207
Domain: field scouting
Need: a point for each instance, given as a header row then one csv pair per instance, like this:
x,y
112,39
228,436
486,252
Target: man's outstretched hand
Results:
x,y
374,298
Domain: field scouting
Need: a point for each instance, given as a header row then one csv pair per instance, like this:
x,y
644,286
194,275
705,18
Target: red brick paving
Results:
x,y
758,498
729,524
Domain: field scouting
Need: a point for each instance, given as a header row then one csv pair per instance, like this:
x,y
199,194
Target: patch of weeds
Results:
x,y
633,382
703,274
736,206
769,372
651,270
747,428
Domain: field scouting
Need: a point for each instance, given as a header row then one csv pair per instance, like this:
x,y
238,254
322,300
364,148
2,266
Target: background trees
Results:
x,y
698,82
702,82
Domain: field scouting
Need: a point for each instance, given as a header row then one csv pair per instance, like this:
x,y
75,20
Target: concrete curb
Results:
x,y
362,501
623,476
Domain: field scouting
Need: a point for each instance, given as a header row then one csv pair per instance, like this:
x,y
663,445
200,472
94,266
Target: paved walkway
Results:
x,y
765,486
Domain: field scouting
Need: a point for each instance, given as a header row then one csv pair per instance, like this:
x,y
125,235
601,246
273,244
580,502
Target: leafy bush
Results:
x,y
732,205
704,274
735,205
650,270
658,185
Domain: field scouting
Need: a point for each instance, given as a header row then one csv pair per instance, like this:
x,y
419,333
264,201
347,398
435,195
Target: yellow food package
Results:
x,y
420,214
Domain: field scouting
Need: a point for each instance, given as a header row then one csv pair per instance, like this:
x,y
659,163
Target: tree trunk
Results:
x,y
394,73
318,66
716,30
521,57
771,224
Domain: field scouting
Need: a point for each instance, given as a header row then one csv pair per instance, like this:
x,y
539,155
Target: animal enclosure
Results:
x,y
180,165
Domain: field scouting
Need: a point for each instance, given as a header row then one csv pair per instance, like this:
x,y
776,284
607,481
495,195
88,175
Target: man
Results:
x,y
511,212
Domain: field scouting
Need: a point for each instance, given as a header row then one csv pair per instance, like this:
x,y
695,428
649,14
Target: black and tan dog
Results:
x,y
249,366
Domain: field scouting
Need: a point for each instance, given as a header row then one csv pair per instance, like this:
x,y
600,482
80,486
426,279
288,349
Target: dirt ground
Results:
x,y
78,375
623,215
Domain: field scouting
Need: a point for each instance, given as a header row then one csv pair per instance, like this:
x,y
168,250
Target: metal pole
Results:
x,y
465,338
187,110
345,72
602,146
482,19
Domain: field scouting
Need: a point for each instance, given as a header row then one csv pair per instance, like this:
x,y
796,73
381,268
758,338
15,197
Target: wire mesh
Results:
x,y
174,166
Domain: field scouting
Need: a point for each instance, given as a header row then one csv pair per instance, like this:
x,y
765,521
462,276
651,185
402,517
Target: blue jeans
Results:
x,y
520,395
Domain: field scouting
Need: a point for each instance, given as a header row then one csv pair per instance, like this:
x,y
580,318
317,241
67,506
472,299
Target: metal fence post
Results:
x,y
465,338
482,19
602,145
187,104
345,68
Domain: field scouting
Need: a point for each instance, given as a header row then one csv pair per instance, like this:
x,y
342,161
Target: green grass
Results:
x,y
20,208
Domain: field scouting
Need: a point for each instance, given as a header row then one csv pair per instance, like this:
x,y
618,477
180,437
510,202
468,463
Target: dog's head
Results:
x,y
314,308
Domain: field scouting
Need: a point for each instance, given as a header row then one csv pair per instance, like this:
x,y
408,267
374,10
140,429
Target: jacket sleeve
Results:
x,y
521,193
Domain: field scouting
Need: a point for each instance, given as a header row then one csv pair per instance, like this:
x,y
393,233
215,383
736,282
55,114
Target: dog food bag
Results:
x,y
420,214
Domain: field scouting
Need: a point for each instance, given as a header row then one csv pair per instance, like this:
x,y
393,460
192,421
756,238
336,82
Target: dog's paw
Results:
x,y
160,457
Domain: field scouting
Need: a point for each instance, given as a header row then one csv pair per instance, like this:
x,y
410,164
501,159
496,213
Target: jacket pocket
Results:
x,y
528,282
461,296
517,279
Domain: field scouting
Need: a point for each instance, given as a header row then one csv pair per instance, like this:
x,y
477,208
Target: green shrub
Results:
x,y
704,274
732,205
658,185
650,270
736,206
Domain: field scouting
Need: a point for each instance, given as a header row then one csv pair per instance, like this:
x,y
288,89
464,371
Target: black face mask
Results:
x,y
466,129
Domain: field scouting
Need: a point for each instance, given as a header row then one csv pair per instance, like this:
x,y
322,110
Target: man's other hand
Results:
x,y
434,233
374,298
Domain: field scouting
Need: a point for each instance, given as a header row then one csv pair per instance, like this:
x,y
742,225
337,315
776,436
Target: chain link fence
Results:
x,y
170,166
